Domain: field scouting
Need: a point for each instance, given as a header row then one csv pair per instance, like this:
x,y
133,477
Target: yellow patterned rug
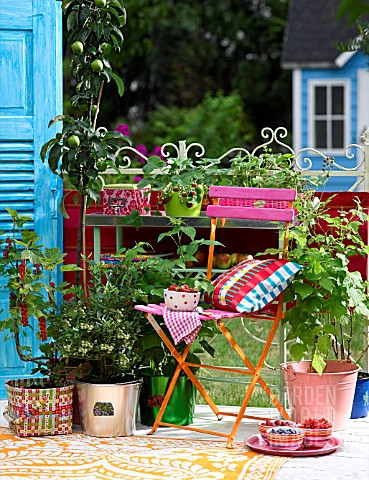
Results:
x,y
78,456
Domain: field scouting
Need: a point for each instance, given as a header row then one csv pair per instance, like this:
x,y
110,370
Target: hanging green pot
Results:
x,y
178,206
181,406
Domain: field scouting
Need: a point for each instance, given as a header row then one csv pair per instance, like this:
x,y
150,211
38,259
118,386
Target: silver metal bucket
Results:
x,y
108,410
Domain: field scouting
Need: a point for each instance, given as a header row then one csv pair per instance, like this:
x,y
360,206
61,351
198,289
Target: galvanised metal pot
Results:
x,y
108,410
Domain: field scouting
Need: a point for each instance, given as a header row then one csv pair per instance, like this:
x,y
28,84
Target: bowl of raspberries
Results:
x,y
181,298
263,426
317,432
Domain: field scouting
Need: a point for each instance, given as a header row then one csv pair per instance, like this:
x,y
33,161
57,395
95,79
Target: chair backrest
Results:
x,y
268,204
265,204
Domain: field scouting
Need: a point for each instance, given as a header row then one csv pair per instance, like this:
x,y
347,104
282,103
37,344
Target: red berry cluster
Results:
x,y
182,288
42,326
37,267
52,285
191,195
313,423
9,242
278,423
22,270
24,310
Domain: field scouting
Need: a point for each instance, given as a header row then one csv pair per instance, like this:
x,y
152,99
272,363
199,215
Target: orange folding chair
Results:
x,y
255,204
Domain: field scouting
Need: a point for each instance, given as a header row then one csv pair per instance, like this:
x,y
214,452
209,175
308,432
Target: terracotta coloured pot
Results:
x,y
329,395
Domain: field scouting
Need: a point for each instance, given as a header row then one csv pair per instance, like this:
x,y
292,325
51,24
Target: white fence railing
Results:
x,y
303,160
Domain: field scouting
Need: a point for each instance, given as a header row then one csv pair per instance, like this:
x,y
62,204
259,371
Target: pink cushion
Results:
x,y
252,284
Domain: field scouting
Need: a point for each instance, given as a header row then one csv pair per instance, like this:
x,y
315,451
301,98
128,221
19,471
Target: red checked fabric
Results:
x,y
252,284
182,325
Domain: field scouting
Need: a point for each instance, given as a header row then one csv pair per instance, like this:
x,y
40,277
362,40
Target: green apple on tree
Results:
x,y
77,47
106,48
100,3
74,141
97,65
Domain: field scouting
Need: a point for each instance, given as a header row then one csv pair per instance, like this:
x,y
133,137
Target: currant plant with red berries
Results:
x,y
29,272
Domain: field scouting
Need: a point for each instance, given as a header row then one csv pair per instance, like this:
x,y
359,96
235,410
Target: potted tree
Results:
x,y
328,309
82,151
36,406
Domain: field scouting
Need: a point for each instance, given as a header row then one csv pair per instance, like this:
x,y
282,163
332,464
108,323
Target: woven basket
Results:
x,y
33,412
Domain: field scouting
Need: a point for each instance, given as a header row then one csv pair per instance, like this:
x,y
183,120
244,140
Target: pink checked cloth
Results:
x,y
182,325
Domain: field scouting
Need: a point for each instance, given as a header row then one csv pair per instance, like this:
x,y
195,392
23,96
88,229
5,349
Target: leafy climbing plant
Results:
x,y
82,150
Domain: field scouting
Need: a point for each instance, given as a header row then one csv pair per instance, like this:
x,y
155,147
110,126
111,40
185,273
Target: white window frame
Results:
x,y
346,84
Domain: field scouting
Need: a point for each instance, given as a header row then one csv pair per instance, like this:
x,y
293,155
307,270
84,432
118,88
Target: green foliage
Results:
x,y
275,170
331,303
29,271
103,333
95,28
81,152
360,42
84,163
355,11
352,9
100,332
219,122
177,51
190,178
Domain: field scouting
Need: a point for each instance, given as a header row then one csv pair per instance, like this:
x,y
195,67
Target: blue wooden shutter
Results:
x,y
30,95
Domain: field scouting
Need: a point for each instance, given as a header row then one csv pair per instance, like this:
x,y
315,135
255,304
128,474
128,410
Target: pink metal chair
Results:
x,y
266,205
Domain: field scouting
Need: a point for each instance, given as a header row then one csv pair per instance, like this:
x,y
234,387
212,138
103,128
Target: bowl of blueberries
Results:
x,y
265,425
287,437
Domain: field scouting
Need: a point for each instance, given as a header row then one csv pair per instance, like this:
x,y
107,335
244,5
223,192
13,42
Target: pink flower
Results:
x,y
142,149
124,129
157,152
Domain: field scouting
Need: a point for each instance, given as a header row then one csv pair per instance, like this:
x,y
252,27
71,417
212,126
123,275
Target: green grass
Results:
x,y
225,391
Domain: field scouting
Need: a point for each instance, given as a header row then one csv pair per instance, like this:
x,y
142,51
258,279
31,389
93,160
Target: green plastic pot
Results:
x,y
181,406
177,207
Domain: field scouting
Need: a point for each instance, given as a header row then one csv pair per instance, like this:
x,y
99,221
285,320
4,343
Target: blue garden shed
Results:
x,y
330,87
30,95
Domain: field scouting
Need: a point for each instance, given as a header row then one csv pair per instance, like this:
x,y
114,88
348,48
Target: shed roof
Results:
x,y
311,32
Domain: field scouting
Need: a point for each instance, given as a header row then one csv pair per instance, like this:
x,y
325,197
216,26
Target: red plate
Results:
x,y
255,442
